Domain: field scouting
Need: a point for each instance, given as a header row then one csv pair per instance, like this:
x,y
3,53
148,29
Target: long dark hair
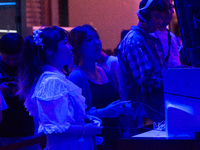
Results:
x,y
77,37
34,57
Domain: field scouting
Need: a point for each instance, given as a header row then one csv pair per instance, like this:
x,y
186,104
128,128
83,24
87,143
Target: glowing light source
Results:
x,y
7,3
65,28
8,31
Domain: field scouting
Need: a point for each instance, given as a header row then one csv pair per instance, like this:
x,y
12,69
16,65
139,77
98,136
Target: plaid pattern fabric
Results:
x,y
143,55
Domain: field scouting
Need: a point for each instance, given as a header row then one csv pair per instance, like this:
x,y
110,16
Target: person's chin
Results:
x,y
98,56
152,30
167,21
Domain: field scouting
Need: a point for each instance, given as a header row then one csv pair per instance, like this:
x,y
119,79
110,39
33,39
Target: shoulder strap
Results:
x,y
108,75
169,44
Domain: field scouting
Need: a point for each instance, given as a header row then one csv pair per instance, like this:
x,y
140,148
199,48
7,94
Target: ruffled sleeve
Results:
x,y
55,104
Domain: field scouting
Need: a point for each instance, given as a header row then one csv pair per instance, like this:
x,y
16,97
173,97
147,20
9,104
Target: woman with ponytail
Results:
x,y
55,103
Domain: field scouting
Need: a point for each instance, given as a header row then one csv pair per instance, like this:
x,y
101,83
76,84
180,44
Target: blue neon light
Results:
x,y
7,3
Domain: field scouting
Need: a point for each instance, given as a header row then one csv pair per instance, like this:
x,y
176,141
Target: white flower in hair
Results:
x,y
36,38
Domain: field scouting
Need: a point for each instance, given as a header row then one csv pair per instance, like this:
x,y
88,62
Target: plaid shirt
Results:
x,y
141,61
142,56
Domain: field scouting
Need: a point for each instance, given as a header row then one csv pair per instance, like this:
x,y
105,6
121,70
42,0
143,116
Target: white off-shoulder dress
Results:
x,y
56,103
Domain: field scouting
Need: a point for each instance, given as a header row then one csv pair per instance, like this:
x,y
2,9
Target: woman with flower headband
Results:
x,y
51,98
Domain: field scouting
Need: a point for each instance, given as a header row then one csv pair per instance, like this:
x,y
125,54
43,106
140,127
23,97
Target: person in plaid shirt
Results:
x,y
141,62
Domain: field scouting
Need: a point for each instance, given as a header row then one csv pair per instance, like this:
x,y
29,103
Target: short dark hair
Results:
x,y
156,5
11,43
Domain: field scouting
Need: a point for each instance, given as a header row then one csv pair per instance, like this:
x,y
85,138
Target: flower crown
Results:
x,y
37,39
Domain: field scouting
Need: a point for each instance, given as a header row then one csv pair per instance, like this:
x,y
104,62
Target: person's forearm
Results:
x,y
100,113
73,130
